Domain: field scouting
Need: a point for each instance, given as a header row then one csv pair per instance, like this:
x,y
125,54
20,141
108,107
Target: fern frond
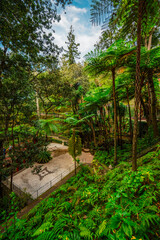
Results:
x,y
86,233
47,236
42,228
101,228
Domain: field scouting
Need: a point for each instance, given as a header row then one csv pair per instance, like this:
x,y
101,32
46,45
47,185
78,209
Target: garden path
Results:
x,y
30,181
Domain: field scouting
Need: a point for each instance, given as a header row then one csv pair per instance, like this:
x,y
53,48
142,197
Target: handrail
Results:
x,y
55,180
46,186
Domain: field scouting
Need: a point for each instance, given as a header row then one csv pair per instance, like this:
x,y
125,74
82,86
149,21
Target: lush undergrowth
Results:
x,y
124,152
118,205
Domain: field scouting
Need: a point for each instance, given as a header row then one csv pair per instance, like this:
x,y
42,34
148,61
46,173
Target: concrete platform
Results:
x,y
57,168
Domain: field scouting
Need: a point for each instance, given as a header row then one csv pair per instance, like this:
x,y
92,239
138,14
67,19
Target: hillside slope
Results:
x,y
116,205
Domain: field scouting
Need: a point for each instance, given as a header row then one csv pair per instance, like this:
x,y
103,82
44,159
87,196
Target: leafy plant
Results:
x,y
43,157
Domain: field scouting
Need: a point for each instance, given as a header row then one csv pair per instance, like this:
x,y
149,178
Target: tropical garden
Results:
x,y
108,105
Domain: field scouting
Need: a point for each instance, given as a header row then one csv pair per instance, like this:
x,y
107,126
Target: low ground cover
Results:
x,y
124,153
118,205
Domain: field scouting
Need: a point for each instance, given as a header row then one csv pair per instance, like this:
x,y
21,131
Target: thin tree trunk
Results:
x,y
115,117
37,104
153,102
140,132
74,150
94,134
11,183
145,110
130,117
150,39
118,135
18,141
149,104
46,132
1,165
109,130
120,127
137,87
145,42
6,126
13,135
103,118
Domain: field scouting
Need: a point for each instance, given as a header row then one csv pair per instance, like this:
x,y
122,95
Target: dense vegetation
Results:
x,y
95,204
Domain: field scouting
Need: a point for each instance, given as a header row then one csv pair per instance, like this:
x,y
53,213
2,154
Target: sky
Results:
x,y
78,15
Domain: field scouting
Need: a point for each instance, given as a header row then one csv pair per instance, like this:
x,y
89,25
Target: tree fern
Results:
x,y
59,225
65,206
101,228
44,227
86,233
47,236
74,235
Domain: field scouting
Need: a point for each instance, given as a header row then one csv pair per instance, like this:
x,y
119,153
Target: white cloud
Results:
x,y
72,9
87,41
85,33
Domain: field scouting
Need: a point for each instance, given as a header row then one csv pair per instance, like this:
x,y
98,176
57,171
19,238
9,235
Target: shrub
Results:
x,y
43,157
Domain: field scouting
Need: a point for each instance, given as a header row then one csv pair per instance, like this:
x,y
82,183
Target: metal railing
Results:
x,y
46,186
55,180
19,191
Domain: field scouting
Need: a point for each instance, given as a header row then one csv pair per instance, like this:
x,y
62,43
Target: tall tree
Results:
x,y
72,47
24,28
110,60
120,12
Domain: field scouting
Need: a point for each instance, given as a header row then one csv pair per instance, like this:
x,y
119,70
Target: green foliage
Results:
x,y
48,126
75,146
43,157
46,236
43,228
22,26
72,51
120,205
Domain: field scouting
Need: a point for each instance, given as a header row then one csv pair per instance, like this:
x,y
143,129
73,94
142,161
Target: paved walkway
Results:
x,y
45,195
35,183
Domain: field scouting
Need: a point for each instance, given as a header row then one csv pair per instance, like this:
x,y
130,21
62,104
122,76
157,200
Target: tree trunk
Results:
x,y
75,166
150,39
103,118
11,183
74,150
94,134
13,135
145,42
146,111
18,141
120,126
37,104
1,165
140,132
6,126
149,104
115,117
117,132
153,102
137,86
130,117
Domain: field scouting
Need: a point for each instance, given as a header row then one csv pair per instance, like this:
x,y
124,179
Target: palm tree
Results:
x,y
125,89
150,66
126,12
109,61
48,126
